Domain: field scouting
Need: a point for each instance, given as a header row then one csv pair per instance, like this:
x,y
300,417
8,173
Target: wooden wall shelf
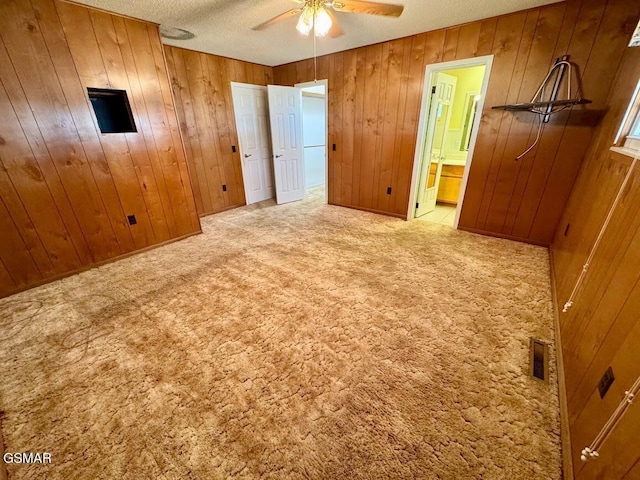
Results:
x,y
536,105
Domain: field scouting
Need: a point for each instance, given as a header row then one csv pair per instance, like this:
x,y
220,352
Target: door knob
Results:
x,y
247,155
278,156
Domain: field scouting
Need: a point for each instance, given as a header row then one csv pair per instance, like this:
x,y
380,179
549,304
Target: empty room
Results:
x,y
319,239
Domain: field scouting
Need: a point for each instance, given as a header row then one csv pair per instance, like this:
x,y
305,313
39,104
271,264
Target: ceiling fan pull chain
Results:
x,y
315,49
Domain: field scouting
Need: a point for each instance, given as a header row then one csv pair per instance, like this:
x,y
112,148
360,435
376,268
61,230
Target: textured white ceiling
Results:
x,y
223,27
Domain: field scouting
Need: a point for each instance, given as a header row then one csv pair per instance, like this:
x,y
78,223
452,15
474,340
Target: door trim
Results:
x,y
313,83
487,61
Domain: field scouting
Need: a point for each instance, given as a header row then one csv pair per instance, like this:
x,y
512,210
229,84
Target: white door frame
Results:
x,y
486,60
314,83
262,88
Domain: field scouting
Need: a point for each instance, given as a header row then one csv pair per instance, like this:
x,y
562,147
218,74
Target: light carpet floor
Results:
x,y
301,341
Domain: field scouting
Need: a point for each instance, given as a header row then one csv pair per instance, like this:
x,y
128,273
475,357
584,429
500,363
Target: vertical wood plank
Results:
x,y
450,44
598,75
358,130
553,24
395,202
409,127
202,86
178,177
601,329
62,58
515,128
468,40
483,170
119,148
380,190
633,472
143,151
389,125
217,111
227,75
7,285
348,127
372,59
580,47
487,33
186,204
581,220
64,186
186,73
168,185
26,120
334,104
14,253
214,163
185,116
27,195
51,110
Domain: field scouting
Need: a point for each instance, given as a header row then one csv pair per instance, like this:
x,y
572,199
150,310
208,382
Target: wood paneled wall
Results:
x,y
65,188
602,328
374,105
202,88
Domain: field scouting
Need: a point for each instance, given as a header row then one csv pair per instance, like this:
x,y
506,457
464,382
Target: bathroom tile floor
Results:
x,y
443,214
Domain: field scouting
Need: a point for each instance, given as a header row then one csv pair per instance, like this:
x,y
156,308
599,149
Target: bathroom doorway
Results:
x,y
452,103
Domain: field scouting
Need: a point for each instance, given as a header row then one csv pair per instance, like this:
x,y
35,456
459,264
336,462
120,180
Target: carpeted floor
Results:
x,y
295,341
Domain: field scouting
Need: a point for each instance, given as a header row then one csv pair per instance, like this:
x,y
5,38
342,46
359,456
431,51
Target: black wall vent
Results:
x,y
539,360
112,110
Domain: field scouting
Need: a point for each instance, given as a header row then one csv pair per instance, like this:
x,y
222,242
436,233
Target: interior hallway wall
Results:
x,y
314,130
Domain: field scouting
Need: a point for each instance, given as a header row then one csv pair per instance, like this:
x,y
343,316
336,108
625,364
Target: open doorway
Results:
x,y
314,130
269,125
452,103
270,122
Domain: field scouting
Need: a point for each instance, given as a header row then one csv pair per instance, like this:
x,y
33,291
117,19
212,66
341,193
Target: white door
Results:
x,y
252,121
285,111
433,153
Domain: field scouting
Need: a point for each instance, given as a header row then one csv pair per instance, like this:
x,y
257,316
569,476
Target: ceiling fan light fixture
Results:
x,y
305,22
323,22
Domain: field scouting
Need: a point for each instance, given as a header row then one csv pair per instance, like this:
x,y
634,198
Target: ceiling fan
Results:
x,y
318,15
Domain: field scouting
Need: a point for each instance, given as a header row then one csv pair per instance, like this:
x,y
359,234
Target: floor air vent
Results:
x,y
539,360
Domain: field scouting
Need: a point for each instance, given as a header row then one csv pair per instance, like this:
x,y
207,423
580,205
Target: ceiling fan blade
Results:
x,y
336,30
279,18
372,8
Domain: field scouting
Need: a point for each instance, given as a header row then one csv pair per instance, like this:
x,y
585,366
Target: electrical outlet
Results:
x,y
132,219
605,382
388,190
233,149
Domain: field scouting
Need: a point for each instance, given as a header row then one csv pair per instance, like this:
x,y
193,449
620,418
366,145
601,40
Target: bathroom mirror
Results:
x,y
469,115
